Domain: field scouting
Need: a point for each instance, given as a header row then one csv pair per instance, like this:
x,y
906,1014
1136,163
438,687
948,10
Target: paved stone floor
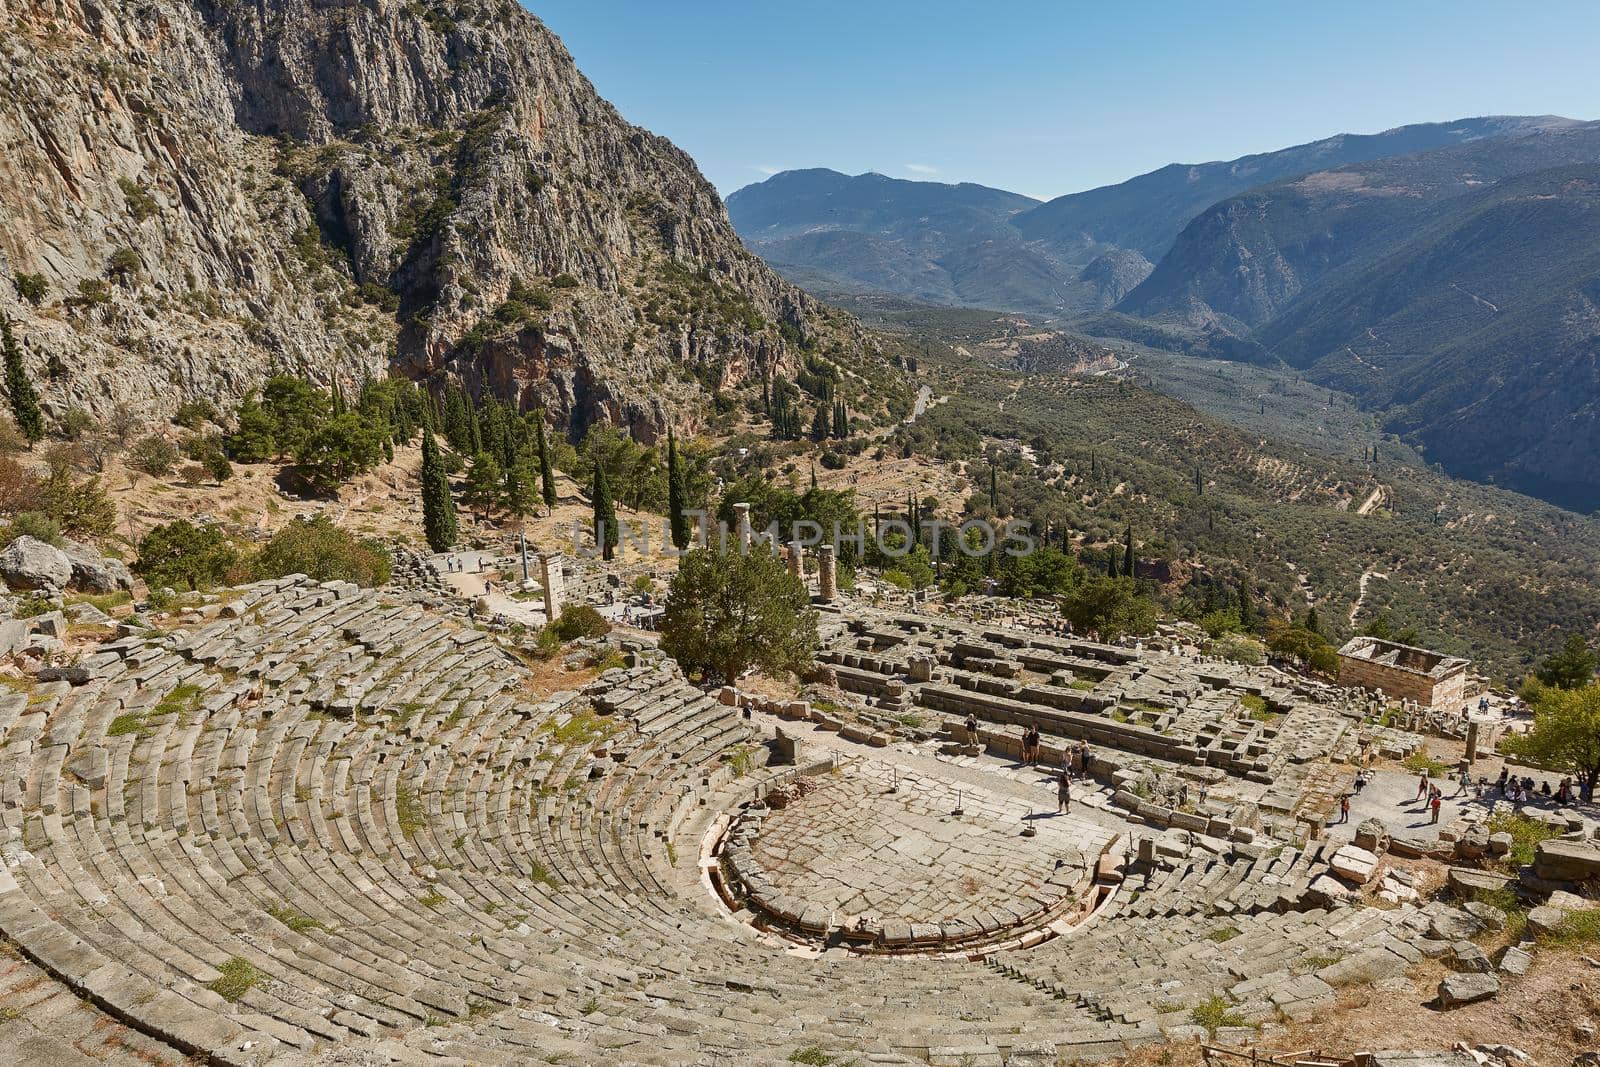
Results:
x,y
855,847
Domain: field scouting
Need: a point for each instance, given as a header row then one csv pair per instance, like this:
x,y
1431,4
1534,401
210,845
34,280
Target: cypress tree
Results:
x,y
677,496
820,427
1313,622
438,510
455,421
1127,554
1247,612
1199,482
605,514
547,476
24,401
475,437
994,489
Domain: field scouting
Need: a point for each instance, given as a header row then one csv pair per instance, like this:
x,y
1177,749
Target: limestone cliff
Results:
x,y
210,191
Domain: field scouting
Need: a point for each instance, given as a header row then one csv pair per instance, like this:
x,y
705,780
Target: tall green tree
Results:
x,y
727,612
438,510
1571,668
19,388
677,496
1127,554
607,536
821,425
484,483
1565,734
547,473
1247,607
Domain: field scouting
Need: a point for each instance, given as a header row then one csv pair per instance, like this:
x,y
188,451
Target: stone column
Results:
x,y
741,522
522,550
554,591
797,560
1472,740
827,575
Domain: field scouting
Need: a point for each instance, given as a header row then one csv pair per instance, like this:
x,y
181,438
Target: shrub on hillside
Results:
x,y
318,548
580,620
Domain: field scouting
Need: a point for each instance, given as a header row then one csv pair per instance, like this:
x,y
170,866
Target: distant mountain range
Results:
x,y
980,247
1448,275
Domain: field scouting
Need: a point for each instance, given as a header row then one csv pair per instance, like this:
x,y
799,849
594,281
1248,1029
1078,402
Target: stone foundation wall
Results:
x,y
1403,684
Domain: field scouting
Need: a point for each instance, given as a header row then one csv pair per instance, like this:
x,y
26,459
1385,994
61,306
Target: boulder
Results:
x,y
1373,836
29,563
1467,958
1544,920
1500,844
1354,864
1474,843
96,574
1558,859
1467,989
1516,961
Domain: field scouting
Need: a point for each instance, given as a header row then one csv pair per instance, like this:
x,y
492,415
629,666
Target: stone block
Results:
x,y
1563,860
1354,864
1461,989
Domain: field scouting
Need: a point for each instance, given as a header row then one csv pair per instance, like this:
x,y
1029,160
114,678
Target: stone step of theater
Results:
x,y
325,821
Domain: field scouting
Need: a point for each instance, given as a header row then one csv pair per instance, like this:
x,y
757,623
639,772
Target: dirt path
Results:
x,y
1373,500
1361,597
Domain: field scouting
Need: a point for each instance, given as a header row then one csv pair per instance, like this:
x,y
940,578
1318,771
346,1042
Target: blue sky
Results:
x,y
1050,98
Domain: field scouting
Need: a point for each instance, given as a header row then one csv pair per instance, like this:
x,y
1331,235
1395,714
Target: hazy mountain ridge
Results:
x,y
980,247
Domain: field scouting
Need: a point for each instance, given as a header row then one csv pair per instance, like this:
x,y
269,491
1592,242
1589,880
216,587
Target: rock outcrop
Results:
x,y
198,194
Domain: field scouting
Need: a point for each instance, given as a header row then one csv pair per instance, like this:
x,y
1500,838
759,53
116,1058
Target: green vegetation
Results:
x,y
1214,1013
318,548
1566,733
438,510
294,920
183,556
725,613
578,621
1579,929
19,387
811,1056
1225,933
1419,761
239,976
1525,834
409,811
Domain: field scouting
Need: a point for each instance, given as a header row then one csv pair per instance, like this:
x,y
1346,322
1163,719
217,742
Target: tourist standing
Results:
x,y
1344,808
1436,803
1063,791
1422,785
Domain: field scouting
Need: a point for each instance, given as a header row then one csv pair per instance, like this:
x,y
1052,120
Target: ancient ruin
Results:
x,y
1403,672
316,818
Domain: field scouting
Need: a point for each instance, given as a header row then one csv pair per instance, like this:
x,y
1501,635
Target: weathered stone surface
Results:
x,y
1460,989
1373,836
1465,881
1516,961
1355,864
1545,919
29,563
1468,958
1490,916
1452,925
1561,860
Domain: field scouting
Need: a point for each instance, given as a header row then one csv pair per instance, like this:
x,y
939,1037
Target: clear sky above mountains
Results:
x,y
1050,98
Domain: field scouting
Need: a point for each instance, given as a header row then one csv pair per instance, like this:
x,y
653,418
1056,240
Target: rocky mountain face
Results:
x,y
197,194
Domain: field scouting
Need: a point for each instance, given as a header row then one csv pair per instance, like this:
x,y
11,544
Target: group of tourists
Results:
x,y
1430,794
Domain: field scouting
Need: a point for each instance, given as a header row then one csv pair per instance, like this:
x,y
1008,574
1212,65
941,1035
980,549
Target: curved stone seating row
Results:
x,y
321,816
